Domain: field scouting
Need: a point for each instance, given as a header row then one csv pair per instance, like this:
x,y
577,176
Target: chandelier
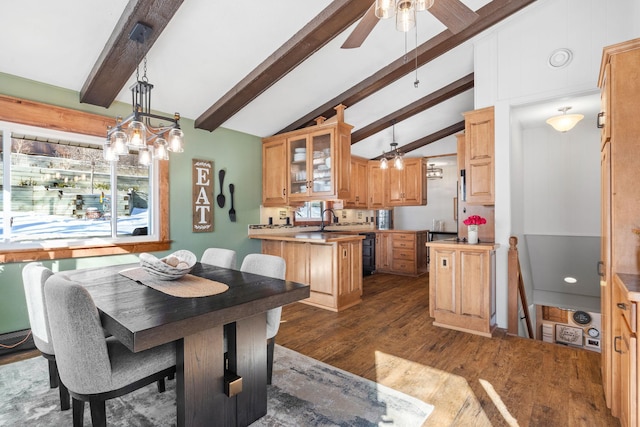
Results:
x,y
152,141
394,155
564,122
434,172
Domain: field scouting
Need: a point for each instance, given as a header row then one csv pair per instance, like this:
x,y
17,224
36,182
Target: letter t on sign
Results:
x,y
202,195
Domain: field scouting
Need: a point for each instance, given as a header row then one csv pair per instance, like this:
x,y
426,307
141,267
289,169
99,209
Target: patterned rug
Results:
x,y
305,392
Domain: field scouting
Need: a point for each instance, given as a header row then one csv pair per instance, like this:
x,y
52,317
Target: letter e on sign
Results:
x,y
202,195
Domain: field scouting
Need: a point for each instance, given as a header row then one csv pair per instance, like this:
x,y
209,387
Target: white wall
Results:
x,y
511,70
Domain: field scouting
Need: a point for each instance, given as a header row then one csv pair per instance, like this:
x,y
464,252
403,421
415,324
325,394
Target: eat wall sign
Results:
x,y
202,195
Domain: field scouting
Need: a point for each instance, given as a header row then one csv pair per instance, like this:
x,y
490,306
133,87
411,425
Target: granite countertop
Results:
x,y
310,236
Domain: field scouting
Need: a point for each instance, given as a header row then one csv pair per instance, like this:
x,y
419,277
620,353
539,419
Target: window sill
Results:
x,y
39,254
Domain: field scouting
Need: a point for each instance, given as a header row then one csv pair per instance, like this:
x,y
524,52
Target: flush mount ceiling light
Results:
x,y
394,155
564,122
560,58
136,130
434,172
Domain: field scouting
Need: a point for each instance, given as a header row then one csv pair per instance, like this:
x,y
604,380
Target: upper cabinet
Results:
x,y
359,191
407,186
479,156
377,185
314,165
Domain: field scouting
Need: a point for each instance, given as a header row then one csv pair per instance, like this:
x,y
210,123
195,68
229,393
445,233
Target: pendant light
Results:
x,y
434,172
396,158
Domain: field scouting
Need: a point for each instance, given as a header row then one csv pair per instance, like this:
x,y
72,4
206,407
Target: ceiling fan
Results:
x,y
452,13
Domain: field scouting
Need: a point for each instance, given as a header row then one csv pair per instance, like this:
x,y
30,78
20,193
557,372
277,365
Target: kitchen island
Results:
x,y
462,285
329,262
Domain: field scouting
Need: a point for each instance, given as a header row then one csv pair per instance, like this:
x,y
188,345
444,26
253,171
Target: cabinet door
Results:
x,y
604,121
297,155
377,185
606,283
358,195
349,273
473,285
321,166
322,268
384,251
628,377
395,186
443,297
274,173
415,185
479,156
296,255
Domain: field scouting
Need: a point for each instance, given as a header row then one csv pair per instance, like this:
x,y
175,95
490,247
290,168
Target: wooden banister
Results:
x,y
515,289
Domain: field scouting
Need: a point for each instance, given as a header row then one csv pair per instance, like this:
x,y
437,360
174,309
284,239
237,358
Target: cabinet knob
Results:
x,y
615,344
621,306
601,268
600,120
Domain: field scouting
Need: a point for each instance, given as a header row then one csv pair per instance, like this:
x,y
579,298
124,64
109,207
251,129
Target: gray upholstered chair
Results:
x,y
34,276
95,368
219,257
270,266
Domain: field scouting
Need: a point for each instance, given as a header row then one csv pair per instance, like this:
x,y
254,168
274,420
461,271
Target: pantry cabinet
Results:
x,y
620,243
315,165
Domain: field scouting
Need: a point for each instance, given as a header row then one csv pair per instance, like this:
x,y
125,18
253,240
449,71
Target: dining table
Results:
x,y
142,317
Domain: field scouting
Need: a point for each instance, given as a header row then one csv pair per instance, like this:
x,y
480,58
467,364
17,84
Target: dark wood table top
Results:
x,y
141,317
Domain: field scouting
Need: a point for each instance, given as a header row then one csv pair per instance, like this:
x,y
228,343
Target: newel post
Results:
x,y
512,288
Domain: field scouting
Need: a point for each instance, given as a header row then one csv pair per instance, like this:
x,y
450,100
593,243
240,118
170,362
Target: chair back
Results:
x,y
270,266
34,276
78,337
219,257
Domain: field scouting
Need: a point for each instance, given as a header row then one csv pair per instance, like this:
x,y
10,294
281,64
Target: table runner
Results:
x,y
189,286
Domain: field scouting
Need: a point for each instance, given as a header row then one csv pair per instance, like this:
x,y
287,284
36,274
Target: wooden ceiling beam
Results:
x,y
426,140
121,55
333,20
490,14
434,98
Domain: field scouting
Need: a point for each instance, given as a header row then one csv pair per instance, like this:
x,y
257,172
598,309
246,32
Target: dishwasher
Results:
x,y
368,253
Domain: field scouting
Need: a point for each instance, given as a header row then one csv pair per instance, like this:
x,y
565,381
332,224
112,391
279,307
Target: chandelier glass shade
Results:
x,y
403,10
152,135
434,172
564,122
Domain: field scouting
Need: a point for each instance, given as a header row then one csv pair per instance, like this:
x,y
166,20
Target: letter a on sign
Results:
x,y
202,195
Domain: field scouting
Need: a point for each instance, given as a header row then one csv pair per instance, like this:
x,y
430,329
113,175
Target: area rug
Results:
x,y
305,392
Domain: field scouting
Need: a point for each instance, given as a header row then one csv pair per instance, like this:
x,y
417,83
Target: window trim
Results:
x,y
49,116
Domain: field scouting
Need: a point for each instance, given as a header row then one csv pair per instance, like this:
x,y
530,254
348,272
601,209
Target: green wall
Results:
x,y
240,154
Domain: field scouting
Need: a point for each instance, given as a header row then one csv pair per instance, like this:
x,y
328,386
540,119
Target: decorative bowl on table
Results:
x,y
171,267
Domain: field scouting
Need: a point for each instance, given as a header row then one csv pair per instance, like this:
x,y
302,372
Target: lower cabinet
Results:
x,y
625,355
462,287
401,252
332,270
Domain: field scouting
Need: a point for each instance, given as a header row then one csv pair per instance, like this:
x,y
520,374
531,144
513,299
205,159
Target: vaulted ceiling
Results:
x,y
262,67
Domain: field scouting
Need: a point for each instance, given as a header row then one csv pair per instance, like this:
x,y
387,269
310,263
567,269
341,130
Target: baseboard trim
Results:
x,y
10,339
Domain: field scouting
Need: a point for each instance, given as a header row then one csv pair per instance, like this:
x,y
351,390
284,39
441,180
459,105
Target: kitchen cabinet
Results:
x,y
332,270
462,286
359,192
625,329
620,203
377,185
480,156
407,186
316,163
401,252
274,178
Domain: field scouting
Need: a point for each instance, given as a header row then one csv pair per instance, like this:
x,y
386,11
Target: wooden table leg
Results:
x,y
247,346
200,374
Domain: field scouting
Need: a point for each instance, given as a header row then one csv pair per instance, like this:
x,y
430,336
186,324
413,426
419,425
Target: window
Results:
x,y
61,199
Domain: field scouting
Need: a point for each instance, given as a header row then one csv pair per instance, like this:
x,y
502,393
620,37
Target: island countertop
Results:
x,y
310,237
458,243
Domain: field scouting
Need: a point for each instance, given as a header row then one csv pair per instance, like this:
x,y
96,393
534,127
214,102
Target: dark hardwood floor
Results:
x,y
471,380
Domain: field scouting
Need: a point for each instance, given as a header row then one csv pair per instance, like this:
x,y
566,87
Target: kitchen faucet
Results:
x,y
322,217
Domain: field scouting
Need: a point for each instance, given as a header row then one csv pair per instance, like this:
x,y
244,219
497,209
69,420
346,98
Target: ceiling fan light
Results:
x,y
405,16
564,122
385,8
422,5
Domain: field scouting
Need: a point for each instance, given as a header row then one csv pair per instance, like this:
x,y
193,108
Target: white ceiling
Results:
x,y
210,45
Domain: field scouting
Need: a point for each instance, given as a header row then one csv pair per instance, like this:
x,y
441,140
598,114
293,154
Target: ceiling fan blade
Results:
x,y
362,30
454,14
